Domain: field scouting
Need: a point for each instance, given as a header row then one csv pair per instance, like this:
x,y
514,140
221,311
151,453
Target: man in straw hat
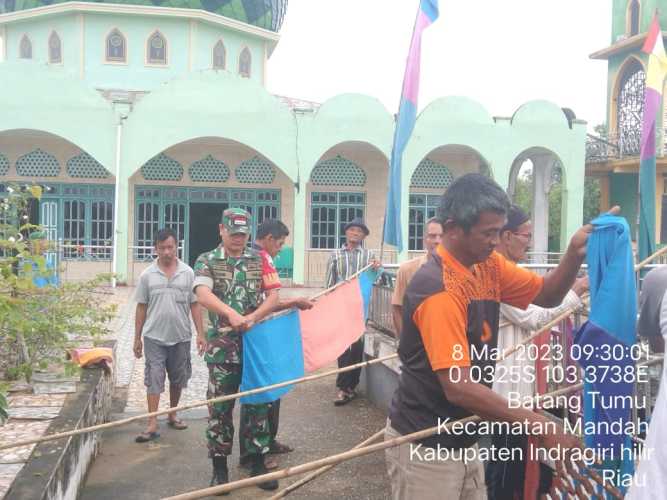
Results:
x,y
343,263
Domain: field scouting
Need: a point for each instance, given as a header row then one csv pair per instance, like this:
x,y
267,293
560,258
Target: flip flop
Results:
x,y
278,448
145,437
179,425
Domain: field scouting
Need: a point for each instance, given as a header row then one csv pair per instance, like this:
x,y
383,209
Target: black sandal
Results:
x,y
346,398
145,437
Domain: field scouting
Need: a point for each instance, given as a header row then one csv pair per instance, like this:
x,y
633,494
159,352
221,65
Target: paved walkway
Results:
x,y
33,406
177,462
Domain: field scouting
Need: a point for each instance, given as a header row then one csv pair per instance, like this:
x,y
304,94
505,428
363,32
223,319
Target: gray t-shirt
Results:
x,y
168,314
651,301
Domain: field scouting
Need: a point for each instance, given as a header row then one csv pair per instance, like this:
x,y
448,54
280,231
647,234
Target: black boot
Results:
x,y
258,469
220,473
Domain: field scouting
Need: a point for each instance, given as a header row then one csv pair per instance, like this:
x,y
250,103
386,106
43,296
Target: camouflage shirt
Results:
x,y
239,282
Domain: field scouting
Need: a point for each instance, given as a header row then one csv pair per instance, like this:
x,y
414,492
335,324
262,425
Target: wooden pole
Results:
x,y
565,314
333,460
316,464
283,493
196,404
313,298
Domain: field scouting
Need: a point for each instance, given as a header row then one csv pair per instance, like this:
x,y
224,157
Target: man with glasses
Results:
x,y
506,479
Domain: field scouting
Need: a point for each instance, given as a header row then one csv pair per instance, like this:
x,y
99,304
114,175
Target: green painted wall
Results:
x,y
267,15
39,30
135,74
623,192
648,7
208,35
51,99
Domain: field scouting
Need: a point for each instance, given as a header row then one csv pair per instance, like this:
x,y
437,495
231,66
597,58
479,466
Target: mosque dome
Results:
x,y
267,14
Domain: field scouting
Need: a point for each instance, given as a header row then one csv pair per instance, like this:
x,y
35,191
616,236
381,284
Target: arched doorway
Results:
x,y
536,181
187,187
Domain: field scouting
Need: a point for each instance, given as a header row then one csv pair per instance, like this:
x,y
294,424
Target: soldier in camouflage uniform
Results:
x,y
238,286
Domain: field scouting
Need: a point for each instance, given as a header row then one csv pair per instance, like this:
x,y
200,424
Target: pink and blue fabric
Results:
x,y
405,123
286,347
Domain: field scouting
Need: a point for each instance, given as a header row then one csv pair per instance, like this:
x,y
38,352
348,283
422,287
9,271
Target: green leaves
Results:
x,y
37,325
4,404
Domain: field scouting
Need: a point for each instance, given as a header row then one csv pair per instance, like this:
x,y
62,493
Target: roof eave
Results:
x,y
623,46
196,14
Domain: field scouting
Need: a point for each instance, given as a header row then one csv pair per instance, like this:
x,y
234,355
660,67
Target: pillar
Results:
x,y
300,233
542,166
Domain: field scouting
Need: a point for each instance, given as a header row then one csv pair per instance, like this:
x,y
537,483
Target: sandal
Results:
x,y
179,425
145,437
345,398
269,462
278,448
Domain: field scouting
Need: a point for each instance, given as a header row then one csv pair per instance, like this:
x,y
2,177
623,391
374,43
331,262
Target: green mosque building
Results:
x,y
612,155
142,114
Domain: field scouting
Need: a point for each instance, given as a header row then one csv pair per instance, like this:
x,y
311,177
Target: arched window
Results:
x,y
633,17
116,47
219,55
55,49
630,108
245,63
25,48
156,49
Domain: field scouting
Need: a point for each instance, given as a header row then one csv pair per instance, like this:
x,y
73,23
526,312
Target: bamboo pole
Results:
x,y
220,399
196,404
294,486
333,460
316,464
565,314
650,258
314,298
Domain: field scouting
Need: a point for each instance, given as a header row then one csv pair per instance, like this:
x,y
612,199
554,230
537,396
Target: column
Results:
x,y
542,166
121,238
300,220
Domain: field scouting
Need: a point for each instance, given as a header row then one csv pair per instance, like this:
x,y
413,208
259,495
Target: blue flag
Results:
x,y
405,122
607,338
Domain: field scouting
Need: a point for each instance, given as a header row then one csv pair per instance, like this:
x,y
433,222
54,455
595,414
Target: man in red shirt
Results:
x,y
269,240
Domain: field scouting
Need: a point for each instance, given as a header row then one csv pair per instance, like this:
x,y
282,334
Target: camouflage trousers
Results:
x,y
254,434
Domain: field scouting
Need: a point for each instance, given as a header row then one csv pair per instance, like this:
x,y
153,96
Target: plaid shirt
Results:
x,y
344,262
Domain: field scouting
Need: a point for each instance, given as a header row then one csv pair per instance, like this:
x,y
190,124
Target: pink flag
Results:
x,y
332,325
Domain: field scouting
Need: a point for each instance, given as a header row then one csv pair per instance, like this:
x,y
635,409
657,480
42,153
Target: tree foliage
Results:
x,y
523,197
38,321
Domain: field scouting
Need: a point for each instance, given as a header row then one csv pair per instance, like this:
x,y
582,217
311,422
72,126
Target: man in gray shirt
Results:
x,y
164,303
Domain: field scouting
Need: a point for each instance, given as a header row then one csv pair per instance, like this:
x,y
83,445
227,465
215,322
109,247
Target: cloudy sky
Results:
x,y
499,52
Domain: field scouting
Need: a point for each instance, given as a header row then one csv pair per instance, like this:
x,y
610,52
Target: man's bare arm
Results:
x,y
397,317
298,302
139,321
267,307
